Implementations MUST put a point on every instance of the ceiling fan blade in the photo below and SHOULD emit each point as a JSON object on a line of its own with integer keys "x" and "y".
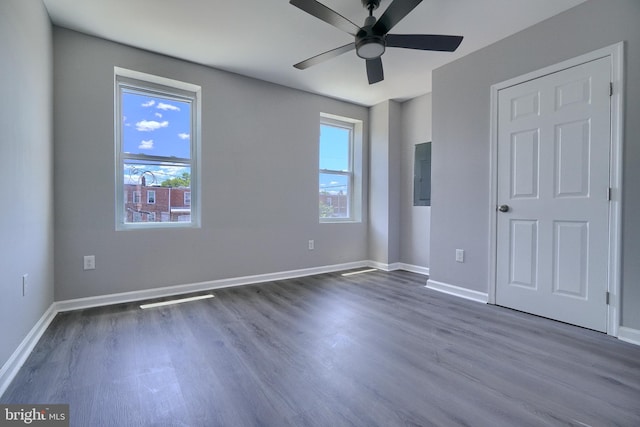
{"x": 322, "y": 12}
{"x": 374, "y": 70}
{"x": 394, "y": 14}
{"x": 424, "y": 41}
{"x": 325, "y": 56}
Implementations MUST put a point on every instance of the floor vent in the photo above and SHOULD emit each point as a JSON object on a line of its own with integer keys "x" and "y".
{"x": 176, "y": 301}
{"x": 359, "y": 272}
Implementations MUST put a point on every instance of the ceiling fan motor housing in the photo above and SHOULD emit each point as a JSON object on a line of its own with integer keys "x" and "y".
{"x": 368, "y": 44}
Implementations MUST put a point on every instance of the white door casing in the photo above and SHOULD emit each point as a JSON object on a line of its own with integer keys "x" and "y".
{"x": 555, "y": 249}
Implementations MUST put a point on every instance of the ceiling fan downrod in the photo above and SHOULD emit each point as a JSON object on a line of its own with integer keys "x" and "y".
{"x": 371, "y": 5}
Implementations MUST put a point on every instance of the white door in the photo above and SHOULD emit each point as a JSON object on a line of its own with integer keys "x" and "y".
{"x": 553, "y": 181}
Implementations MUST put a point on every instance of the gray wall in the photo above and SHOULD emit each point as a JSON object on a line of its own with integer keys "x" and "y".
{"x": 259, "y": 179}
{"x": 460, "y": 174}
{"x": 26, "y": 143}
{"x": 398, "y": 231}
{"x": 384, "y": 183}
{"x": 414, "y": 220}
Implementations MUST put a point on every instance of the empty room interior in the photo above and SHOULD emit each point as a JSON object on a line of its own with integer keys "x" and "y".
{"x": 320, "y": 213}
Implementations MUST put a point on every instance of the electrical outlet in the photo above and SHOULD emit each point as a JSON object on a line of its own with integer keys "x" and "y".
{"x": 90, "y": 262}
{"x": 25, "y": 281}
{"x": 312, "y": 245}
{"x": 459, "y": 255}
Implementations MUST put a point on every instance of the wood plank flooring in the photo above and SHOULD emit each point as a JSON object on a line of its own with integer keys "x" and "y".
{"x": 375, "y": 349}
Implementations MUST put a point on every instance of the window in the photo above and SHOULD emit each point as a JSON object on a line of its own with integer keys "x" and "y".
{"x": 340, "y": 169}
{"x": 157, "y": 147}
{"x": 187, "y": 198}
{"x": 422, "y": 175}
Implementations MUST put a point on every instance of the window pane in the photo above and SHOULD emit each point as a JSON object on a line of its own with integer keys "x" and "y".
{"x": 334, "y": 195}
{"x": 334, "y": 148}
{"x": 157, "y": 142}
{"x": 155, "y": 125}
{"x": 157, "y": 192}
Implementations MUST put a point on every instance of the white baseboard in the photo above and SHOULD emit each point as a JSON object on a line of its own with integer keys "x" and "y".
{"x": 629, "y": 335}
{"x": 398, "y": 266}
{"x": 414, "y": 268}
{"x": 17, "y": 359}
{"x": 124, "y": 297}
{"x": 465, "y": 293}
{"x": 381, "y": 266}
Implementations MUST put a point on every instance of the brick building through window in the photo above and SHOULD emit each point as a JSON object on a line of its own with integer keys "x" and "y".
{"x": 156, "y": 204}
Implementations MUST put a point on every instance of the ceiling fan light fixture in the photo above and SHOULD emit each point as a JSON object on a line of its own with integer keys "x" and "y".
{"x": 370, "y": 47}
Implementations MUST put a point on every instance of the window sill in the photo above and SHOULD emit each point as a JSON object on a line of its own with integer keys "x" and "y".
{"x": 155, "y": 226}
{"x": 339, "y": 221}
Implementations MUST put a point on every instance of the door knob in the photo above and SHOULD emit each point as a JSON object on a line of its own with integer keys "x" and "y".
{"x": 503, "y": 208}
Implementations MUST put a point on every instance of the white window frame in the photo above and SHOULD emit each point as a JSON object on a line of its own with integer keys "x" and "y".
{"x": 149, "y": 200}
{"x": 167, "y": 88}
{"x": 354, "y": 173}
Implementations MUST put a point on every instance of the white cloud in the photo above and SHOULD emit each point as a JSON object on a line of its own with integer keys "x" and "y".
{"x": 184, "y": 135}
{"x": 172, "y": 170}
{"x": 165, "y": 107}
{"x": 150, "y": 125}
{"x": 158, "y": 114}
{"x": 146, "y": 145}
{"x": 150, "y": 103}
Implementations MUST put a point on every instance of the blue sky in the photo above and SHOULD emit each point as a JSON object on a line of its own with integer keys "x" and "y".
{"x": 334, "y": 148}
{"x": 334, "y": 154}
{"x": 155, "y": 126}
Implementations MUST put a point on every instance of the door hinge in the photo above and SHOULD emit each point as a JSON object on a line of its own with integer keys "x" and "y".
{"x": 609, "y": 194}
{"x": 610, "y": 88}
{"x": 607, "y": 297}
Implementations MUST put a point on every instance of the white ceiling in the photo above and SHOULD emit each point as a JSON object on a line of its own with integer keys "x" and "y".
{"x": 264, "y": 38}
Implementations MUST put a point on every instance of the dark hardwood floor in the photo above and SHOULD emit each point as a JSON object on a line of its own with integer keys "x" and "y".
{"x": 375, "y": 349}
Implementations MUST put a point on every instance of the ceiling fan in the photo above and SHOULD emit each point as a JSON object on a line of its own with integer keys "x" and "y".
{"x": 372, "y": 39}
